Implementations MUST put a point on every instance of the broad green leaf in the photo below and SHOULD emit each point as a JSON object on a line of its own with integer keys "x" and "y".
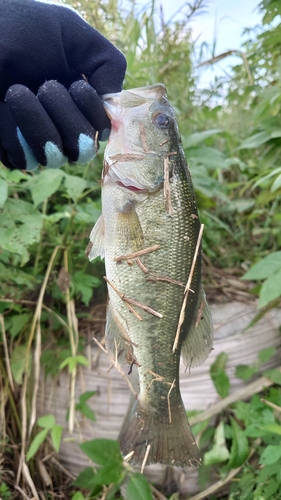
{"x": 86, "y": 396}
{"x": 78, "y": 496}
{"x": 198, "y": 137}
{"x": 264, "y": 268}
{"x": 86, "y": 411}
{"x": 240, "y": 448}
{"x": 3, "y": 192}
{"x": 210, "y": 157}
{"x": 18, "y": 321}
{"x": 44, "y": 184}
{"x": 73, "y": 361}
{"x": 102, "y": 451}
{"x": 270, "y": 454}
{"x": 219, "y": 453}
{"x": 47, "y": 421}
{"x": 245, "y": 372}
{"x": 270, "y": 289}
{"x": 37, "y": 441}
{"x": 18, "y": 362}
{"x": 84, "y": 284}
{"x": 86, "y": 479}
{"x": 266, "y": 354}
{"x": 274, "y": 428}
{"x": 274, "y": 375}
{"x": 218, "y": 375}
{"x": 276, "y": 184}
{"x": 74, "y": 186}
{"x": 255, "y": 140}
{"x": 138, "y": 488}
{"x": 111, "y": 473}
{"x": 56, "y": 432}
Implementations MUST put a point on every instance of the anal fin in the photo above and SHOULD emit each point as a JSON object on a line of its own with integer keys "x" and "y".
{"x": 118, "y": 341}
{"x": 198, "y": 343}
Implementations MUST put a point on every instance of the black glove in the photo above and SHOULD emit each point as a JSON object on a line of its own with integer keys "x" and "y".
{"x": 53, "y": 67}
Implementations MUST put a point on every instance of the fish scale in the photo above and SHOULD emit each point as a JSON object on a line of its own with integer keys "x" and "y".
{"x": 148, "y": 200}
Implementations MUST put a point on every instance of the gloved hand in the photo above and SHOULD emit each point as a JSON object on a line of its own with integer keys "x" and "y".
{"x": 53, "y": 68}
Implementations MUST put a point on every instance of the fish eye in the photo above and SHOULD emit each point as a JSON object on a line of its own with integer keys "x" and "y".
{"x": 161, "y": 120}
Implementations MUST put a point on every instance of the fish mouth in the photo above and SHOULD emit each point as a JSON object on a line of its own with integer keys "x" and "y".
{"x": 131, "y": 187}
{"x": 125, "y": 182}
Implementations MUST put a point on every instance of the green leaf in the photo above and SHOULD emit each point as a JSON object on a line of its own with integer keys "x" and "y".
{"x": 86, "y": 411}
{"x": 274, "y": 375}
{"x": 219, "y": 377}
{"x": 219, "y": 453}
{"x": 86, "y": 396}
{"x": 112, "y": 473}
{"x": 44, "y": 184}
{"x": 266, "y": 354}
{"x": 274, "y": 428}
{"x": 18, "y": 362}
{"x": 73, "y": 361}
{"x": 3, "y": 192}
{"x": 270, "y": 454}
{"x": 47, "y": 421}
{"x": 264, "y": 268}
{"x": 37, "y": 441}
{"x": 86, "y": 479}
{"x": 240, "y": 448}
{"x": 74, "y": 186}
{"x": 18, "y": 321}
{"x": 78, "y": 496}
{"x": 102, "y": 451}
{"x": 276, "y": 184}
{"x": 56, "y": 432}
{"x": 245, "y": 372}
{"x": 270, "y": 289}
{"x": 255, "y": 140}
{"x": 198, "y": 137}
{"x": 138, "y": 488}
{"x": 84, "y": 284}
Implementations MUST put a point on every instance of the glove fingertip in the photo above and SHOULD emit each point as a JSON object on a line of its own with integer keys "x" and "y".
{"x": 55, "y": 158}
{"x": 87, "y": 149}
{"x": 30, "y": 160}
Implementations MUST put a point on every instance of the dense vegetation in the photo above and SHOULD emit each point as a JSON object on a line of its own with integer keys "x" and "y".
{"x": 232, "y": 139}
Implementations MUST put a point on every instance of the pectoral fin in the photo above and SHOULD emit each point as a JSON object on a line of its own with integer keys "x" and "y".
{"x": 129, "y": 231}
{"x": 199, "y": 340}
{"x": 95, "y": 247}
{"x": 118, "y": 341}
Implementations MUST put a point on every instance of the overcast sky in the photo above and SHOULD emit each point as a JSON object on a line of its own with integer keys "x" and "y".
{"x": 226, "y": 18}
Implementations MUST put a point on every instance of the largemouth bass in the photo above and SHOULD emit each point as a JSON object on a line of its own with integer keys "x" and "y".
{"x": 149, "y": 235}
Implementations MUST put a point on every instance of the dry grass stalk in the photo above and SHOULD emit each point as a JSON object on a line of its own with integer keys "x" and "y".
{"x": 167, "y": 191}
{"x": 139, "y": 253}
{"x": 74, "y": 337}
{"x": 129, "y": 456}
{"x": 241, "y": 394}
{"x": 145, "y": 457}
{"x": 6, "y": 352}
{"x": 116, "y": 365}
{"x": 36, "y": 358}
{"x": 272, "y": 405}
{"x": 122, "y": 298}
{"x": 187, "y": 288}
{"x": 29, "y": 481}
{"x": 23, "y": 427}
{"x": 168, "y": 400}
{"x": 142, "y": 306}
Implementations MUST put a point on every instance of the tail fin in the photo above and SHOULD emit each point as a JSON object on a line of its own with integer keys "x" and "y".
{"x": 169, "y": 436}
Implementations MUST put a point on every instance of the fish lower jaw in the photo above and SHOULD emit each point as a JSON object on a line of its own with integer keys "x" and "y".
{"x": 133, "y": 188}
